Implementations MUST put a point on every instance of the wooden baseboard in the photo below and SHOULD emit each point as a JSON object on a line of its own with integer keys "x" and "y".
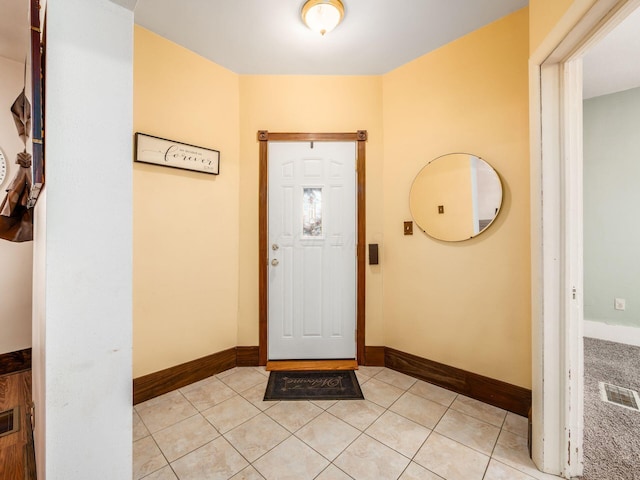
{"x": 247, "y": 356}
{"x": 494, "y": 392}
{"x": 374, "y": 356}
{"x": 13, "y": 362}
{"x": 164, "y": 381}
{"x": 285, "y": 365}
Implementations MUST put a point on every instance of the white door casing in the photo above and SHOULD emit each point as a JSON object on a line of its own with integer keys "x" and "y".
{"x": 556, "y": 231}
{"x": 312, "y": 250}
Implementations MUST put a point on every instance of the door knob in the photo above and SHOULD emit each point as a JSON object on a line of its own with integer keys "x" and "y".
{"x": 275, "y": 262}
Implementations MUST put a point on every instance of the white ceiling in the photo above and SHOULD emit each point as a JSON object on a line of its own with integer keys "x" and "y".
{"x": 612, "y": 65}
{"x": 268, "y": 36}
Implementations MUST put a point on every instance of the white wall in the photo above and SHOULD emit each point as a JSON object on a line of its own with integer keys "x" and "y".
{"x": 612, "y": 333}
{"x": 82, "y": 302}
{"x": 611, "y": 223}
{"x": 15, "y": 258}
{"x": 38, "y": 374}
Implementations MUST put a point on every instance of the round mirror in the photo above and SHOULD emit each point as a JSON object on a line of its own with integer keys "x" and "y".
{"x": 455, "y": 197}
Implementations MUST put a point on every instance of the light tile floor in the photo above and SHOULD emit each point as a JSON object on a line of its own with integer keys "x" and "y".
{"x": 219, "y": 428}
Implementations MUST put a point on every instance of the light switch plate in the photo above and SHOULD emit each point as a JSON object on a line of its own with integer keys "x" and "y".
{"x": 408, "y": 228}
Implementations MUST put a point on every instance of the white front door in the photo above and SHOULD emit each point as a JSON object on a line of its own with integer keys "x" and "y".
{"x": 312, "y": 250}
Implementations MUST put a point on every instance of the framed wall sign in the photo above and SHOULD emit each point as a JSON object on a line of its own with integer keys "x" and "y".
{"x": 167, "y": 153}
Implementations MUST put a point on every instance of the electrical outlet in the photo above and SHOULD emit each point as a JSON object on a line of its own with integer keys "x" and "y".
{"x": 619, "y": 303}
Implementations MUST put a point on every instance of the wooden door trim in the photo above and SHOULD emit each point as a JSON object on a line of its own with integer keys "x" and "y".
{"x": 360, "y": 137}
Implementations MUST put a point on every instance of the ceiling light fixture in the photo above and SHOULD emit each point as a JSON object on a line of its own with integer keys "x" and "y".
{"x": 322, "y": 16}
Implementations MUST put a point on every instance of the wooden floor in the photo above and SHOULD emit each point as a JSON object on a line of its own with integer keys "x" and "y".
{"x": 15, "y": 390}
{"x": 286, "y": 365}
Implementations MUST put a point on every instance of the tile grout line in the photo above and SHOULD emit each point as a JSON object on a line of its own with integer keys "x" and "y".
{"x": 223, "y": 435}
{"x": 429, "y": 436}
{"x": 331, "y": 464}
{"x": 490, "y": 456}
{"x": 326, "y": 409}
{"x": 197, "y": 448}
{"x": 156, "y": 444}
{"x": 198, "y": 412}
{"x": 220, "y": 434}
{"x": 504, "y": 463}
{"x": 289, "y": 432}
{"x": 163, "y": 456}
{"x": 341, "y": 452}
{"x": 250, "y": 464}
{"x": 360, "y": 434}
{"x": 431, "y": 430}
{"x": 493, "y": 449}
{"x": 265, "y": 453}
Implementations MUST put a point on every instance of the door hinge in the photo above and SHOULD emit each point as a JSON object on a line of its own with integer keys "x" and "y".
{"x": 573, "y": 292}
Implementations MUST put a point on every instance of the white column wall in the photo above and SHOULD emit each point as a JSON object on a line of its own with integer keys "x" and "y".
{"x": 83, "y": 248}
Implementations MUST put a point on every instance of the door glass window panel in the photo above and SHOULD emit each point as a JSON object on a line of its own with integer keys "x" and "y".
{"x": 312, "y": 212}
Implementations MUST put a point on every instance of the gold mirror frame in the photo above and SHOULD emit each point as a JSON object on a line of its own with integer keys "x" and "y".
{"x": 455, "y": 197}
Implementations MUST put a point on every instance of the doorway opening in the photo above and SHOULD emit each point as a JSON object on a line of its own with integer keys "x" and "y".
{"x": 557, "y": 232}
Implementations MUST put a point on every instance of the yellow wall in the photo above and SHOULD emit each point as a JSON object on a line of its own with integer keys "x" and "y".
{"x": 464, "y": 304}
{"x": 306, "y": 104}
{"x": 548, "y": 20}
{"x": 196, "y": 237}
{"x": 544, "y": 16}
{"x": 185, "y": 245}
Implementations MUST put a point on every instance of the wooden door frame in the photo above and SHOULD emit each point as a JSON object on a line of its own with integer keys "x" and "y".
{"x": 264, "y": 137}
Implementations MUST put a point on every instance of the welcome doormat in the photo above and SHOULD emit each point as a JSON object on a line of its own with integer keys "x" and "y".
{"x": 313, "y": 385}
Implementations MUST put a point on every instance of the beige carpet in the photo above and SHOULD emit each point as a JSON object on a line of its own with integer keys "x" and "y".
{"x": 611, "y": 433}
